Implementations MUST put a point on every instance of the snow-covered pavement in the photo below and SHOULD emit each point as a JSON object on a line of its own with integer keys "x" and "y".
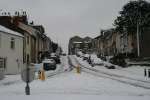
{"x": 70, "y": 86}
{"x": 14, "y": 79}
{"x": 73, "y": 86}
{"x": 133, "y": 75}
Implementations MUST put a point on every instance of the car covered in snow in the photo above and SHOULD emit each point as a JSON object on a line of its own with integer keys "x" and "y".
{"x": 109, "y": 65}
{"x": 49, "y": 64}
{"x": 95, "y": 60}
{"x": 86, "y": 57}
{"x": 79, "y": 54}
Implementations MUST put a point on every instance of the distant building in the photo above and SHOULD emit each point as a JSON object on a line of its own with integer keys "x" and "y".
{"x": 87, "y": 45}
{"x": 97, "y": 45}
{"x": 11, "y": 51}
{"x": 106, "y": 43}
{"x": 77, "y": 44}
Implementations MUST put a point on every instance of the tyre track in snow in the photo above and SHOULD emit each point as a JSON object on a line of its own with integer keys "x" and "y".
{"x": 130, "y": 77}
{"x": 119, "y": 78}
{"x": 60, "y": 71}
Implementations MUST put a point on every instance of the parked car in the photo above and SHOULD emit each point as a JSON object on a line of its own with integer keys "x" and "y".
{"x": 95, "y": 60}
{"x": 103, "y": 58}
{"x": 109, "y": 65}
{"x": 86, "y": 57}
{"x": 49, "y": 64}
{"x": 56, "y": 58}
{"x": 79, "y": 54}
{"x": 63, "y": 54}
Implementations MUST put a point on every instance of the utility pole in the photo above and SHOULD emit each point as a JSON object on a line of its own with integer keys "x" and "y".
{"x": 138, "y": 28}
{"x": 138, "y": 44}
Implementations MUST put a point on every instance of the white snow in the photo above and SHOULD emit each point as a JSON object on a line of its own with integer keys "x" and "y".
{"x": 72, "y": 86}
{"x": 136, "y": 72}
{"x": 77, "y": 42}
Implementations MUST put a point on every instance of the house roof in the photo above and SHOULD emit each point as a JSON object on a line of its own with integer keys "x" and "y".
{"x": 77, "y": 42}
{"x": 4, "y": 29}
{"x": 87, "y": 38}
{"x": 98, "y": 37}
{"x": 76, "y": 39}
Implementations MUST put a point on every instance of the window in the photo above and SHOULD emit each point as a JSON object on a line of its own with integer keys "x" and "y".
{"x": 27, "y": 39}
{"x": 2, "y": 63}
{"x": 12, "y": 43}
{"x": 27, "y": 58}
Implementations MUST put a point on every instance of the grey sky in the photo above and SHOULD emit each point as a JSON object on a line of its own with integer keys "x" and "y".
{"x": 63, "y": 19}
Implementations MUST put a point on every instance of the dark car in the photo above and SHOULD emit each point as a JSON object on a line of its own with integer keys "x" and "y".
{"x": 56, "y": 58}
{"x": 64, "y": 54}
{"x": 49, "y": 64}
{"x": 109, "y": 65}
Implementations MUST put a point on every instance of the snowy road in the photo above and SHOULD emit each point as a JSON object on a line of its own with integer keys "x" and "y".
{"x": 69, "y": 85}
{"x": 114, "y": 76}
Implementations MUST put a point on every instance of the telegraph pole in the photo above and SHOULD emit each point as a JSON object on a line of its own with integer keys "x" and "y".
{"x": 138, "y": 42}
{"x": 138, "y": 28}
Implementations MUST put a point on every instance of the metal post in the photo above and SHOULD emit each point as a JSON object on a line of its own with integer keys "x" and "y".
{"x": 148, "y": 73}
{"x": 145, "y": 73}
{"x": 27, "y": 88}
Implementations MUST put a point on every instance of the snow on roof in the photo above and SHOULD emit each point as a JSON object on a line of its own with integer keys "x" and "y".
{"x": 4, "y": 29}
{"x": 77, "y": 42}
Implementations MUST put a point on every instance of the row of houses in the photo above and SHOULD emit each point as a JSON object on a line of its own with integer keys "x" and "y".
{"x": 111, "y": 43}
{"x": 21, "y": 43}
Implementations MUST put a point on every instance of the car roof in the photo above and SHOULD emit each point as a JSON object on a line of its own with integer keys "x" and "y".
{"x": 47, "y": 60}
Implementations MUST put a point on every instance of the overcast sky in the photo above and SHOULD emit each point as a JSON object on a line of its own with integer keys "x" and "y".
{"x": 63, "y": 19}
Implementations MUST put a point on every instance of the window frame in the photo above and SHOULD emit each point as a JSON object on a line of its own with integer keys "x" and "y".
{"x": 12, "y": 43}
